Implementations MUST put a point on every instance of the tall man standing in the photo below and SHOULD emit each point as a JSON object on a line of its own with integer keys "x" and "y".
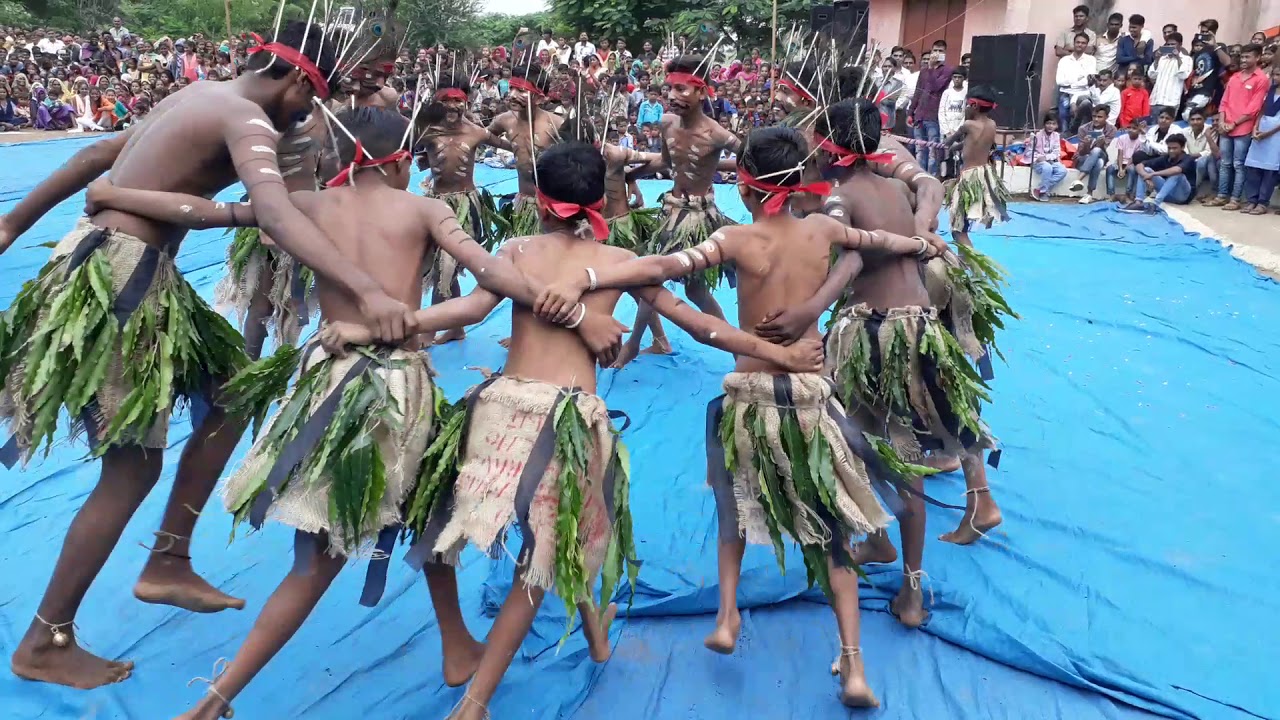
{"x": 933, "y": 81}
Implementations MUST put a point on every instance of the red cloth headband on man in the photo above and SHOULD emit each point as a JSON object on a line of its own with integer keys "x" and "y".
{"x": 296, "y": 59}
{"x": 847, "y": 157}
{"x": 684, "y": 78}
{"x": 525, "y": 85}
{"x": 360, "y": 161}
{"x": 986, "y": 104}
{"x": 779, "y": 194}
{"x": 795, "y": 88}
{"x": 450, "y": 94}
{"x": 568, "y": 210}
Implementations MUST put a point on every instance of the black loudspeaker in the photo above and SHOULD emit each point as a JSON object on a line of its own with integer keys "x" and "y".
{"x": 1012, "y": 65}
{"x": 845, "y": 20}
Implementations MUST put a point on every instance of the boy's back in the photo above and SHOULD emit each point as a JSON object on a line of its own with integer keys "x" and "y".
{"x": 874, "y": 202}
{"x": 979, "y": 140}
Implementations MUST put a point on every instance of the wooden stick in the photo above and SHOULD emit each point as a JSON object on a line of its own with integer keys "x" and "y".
{"x": 773, "y": 58}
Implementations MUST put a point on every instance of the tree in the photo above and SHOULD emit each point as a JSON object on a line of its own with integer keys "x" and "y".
{"x": 633, "y": 20}
{"x": 437, "y": 21}
{"x": 745, "y": 23}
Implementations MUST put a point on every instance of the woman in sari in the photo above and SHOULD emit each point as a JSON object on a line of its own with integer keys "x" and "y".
{"x": 22, "y": 93}
{"x": 10, "y": 118}
{"x": 47, "y": 113}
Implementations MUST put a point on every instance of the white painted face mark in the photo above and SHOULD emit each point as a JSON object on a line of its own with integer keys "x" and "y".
{"x": 260, "y": 123}
{"x": 270, "y": 171}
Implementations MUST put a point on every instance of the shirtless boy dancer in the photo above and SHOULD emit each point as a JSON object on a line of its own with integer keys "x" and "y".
{"x": 390, "y": 234}
{"x": 449, "y": 141}
{"x": 892, "y": 358}
{"x": 781, "y": 259}
{"x": 226, "y": 131}
{"x": 531, "y": 130}
{"x": 545, "y": 398}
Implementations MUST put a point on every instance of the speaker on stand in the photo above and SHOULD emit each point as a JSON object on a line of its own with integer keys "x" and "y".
{"x": 1013, "y": 66}
{"x": 845, "y": 21}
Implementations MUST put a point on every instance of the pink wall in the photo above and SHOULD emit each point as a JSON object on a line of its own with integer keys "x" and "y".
{"x": 1238, "y": 19}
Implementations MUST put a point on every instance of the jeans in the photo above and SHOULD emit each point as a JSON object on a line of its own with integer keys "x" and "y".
{"x": 1195, "y": 102}
{"x": 1175, "y": 189}
{"x": 1207, "y": 169}
{"x": 1071, "y": 114}
{"x": 1092, "y": 166}
{"x": 1051, "y": 173}
{"x": 1260, "y": 185}
{"x": 1231, "y": 168}
{"x": 1130, "y": 181}
{"x": 928, "y": 130}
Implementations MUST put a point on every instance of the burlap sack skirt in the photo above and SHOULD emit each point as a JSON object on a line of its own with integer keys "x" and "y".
{"x": 687, "y": 222}
{"x": 494, "y": 490}
{"x": 786, "y": 447}
{"x": 909, "y": 375}
{"x": 344, "y": 451}
{"x": 977, "y": 196}
{"x": 111, "y": 333}
{"x": 292, "y": 286}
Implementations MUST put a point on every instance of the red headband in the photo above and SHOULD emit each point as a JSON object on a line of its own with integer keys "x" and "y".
{"x": 781, "y": 193}
{"x": 451, "y": 94}
{"x": 525, "y": 85}
{"x": 848, "y": 157}
{"x": 567, "y": 210}
{"x": 296, "y": 59}
{"x": 795, "y": 88}
{"x": 982, "y": 103}
{"x": 360, "y": 161}
{"x": 690, "y": 79}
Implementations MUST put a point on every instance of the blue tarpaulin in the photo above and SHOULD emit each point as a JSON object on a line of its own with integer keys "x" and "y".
{"x": 1131, "y": 577}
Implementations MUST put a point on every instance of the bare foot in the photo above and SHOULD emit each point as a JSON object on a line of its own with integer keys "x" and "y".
{"x": 854, "y": 690}
{"x": 626, "y": 355}
{"x": 660, "y": 346}
{"x": 598, "y": 638}
{"x": 505, "y": 342}
{"x": 981, "y": 514}
{"x": 908, "y": 606}
{"x": 724, "y": 638}
{"x": 209, "y": 708}
{"x": 943, "y": 463}
{"x": 73, "y": 666}
{"x": 455, "y": 335}
{"x": 875, "y": 550}
{"x": 168, "y": 580}
{"x": 460, "y": 665}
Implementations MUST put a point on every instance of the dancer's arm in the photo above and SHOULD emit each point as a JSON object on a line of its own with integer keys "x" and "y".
{"x": 928, "y": 189}
{"x": 466, "y": 310}
{"x": 79, "y": 171}
{"x": 787, "y": 325}
{"x": 714, "y": 332}
{"x": 180, "y": 209}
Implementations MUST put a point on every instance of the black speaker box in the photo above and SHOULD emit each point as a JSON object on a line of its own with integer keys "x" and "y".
{"x": 1012, "y": 65}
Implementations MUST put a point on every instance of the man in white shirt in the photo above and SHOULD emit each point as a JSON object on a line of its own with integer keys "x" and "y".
{"x": 583, "y": 48}
{"x": 118, "y": 30}
{"x": 1108, "y": 43}
{"x": 1105, "y": 92}
{"x": 50, "y": 45}
{"x": 546, "y": 43}
{"x": 1202, "y": 144}
{"x": 1169, "y": 74}
{"x": 952, "y": 105}
{"x": 1073, "y": 75}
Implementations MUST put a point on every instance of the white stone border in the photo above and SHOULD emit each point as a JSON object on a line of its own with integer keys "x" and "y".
{"x": 1266, "y": 260}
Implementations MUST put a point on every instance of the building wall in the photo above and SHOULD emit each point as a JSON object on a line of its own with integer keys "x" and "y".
{"x": 1238, "y": 19}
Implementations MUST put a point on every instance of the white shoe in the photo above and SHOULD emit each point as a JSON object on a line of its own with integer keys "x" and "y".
{"x": 1087, "y": 199}
{"x": 1077, "y": 186}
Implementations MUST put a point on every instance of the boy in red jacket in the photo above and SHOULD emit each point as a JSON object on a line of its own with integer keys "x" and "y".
{"x": 1135, "y": 101}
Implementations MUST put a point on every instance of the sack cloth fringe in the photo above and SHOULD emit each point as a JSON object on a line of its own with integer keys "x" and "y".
{"x": 906, "y": 369}
{"x": 977, "y": 196}
{"x": 292, "y": 298}
{"x": 112, "y": 333}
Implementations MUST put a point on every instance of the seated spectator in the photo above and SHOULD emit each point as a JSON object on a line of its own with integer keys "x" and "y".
{"x": 47, "y": 113}
{"x": 1168, "y": 176}
{"x": 1045, "y": 151}
{"x": 10, "y": 118}
{"x": 1126, "y": 144}
{"x": 1202, "y": 144}
{"x": 1157, "y": 136}
{"x": 1105, "y": 92}
{"x": 1091, "y": 154}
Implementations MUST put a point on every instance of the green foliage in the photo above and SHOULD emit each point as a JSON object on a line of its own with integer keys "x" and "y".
{"x": 14, "y": 13}
{"x": 175, "y": 18}
{"x": 748, "y": 23}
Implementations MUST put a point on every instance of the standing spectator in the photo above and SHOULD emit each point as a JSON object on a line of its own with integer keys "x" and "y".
{"x": 933, "y": 80}
{"x": 1045, "y": 150}
{"x": 546, "y": 44}
{"x": 1135, "y": 101}
{"x": 641, "y": 91}
{"x": 118, "y": 30}
{"x": 650, "y": 111}
{"x": 1066, "y": 44}
{"x": 583, "y": 48}
{"x": 952, "y": 106}
{"x": 1169, "y": 74}
{"x": 1236, "y": 119}
{"x": 1135, "y": 48}
{"x": 1202, "y": 144}
{"x": 1091, "y": 154}
{"x": 1105, "y": 92}
{"x": 623, "y": 54}
{"x": 1262, "y": 166}
{"x": 966, "y": 60}
{"x": 1073, "y": 75}
{"x": 1206, "y": 68}
{"x": 1167, "y": 175}
{"x": 1108, "y": 44}
{"x": 1127, "y": 144}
